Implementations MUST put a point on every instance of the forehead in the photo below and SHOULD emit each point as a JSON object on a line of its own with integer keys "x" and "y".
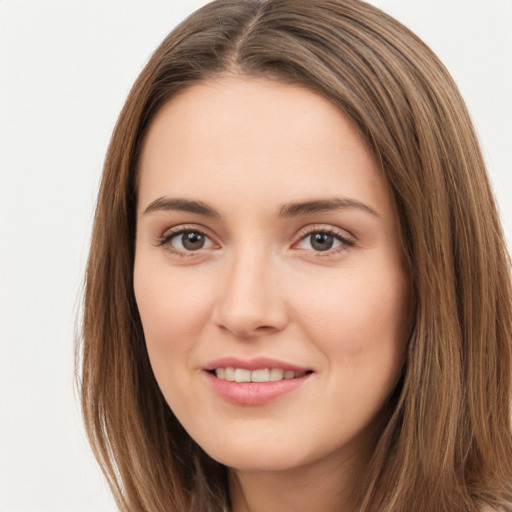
{"x": 237, "y": 133}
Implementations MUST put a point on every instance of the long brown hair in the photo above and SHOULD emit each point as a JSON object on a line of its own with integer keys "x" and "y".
{"x": 448, "y": 444}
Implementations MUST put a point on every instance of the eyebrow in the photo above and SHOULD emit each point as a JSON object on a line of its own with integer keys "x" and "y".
{"x": 296, "y": 209}
{"x": 184, "y": 205}
{"x": 293, "y": 209}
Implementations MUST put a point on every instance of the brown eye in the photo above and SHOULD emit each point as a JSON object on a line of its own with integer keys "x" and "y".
{"x": 186, "y": 241}
{"x": 321, "y": 241}
{"x": 326, "y": 241}
{"x": 191, "y": 240}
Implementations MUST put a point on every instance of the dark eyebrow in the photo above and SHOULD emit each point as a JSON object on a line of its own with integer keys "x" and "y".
{"x": 184, "y": 205}
{"x": 322, "y": 205}
{"x": 293, "y": 209}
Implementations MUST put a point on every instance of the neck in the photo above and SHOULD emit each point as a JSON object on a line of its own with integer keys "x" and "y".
{"x": 323, "y": 488}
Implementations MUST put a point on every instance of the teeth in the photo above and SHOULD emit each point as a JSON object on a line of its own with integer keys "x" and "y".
{"x": 260, "y": 375}
{"x": 276, "y": 374}
{"x": 230, "y": 374}
{"x": 242, "y": 375}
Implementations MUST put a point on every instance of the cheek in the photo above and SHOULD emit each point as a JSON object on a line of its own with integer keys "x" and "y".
{"x": 173, "y": 309}
{"x": 363, "y": 336}
{"x": 378, "y": 310}
{"x": 362, "y": 318}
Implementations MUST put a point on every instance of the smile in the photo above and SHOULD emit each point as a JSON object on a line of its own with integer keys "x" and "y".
{"x": 254, "y": 382}
{"x": 232, "y": 374}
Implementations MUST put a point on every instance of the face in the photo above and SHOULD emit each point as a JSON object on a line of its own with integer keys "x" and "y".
{"x": 268, "y": 274}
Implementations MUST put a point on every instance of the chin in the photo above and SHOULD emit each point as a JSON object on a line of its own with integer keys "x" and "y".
{"x": 255, "y": 456}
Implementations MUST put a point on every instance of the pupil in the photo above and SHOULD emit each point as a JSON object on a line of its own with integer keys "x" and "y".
{"x": 192, "y": 241}
{"x": 322, "y": 241}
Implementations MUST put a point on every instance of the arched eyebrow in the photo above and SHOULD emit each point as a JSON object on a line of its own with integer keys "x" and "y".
{"x": 293, "y": 209}
{"x": 299, "y": 208}
{"x": 184, "y": 205}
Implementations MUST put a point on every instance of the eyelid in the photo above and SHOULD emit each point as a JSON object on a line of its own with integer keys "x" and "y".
{"x": 174, "y": 230}
{"x": 347, "y": 239}
{"x": 165, "y": 238}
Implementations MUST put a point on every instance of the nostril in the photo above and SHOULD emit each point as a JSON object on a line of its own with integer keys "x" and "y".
{"x": 265, "y": 328}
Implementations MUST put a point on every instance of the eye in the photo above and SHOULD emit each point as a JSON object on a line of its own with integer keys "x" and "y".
{"x": 185, "y": 241}
{"x": 321, "y": 241}
{"x": 324, "y": 241}
{"x": 189, "y": 240}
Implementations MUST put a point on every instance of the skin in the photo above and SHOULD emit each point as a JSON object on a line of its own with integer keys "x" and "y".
{"x": 246, "y": 147}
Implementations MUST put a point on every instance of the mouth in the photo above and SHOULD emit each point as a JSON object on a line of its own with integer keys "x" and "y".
{"x": 255, "y": 381}
{"x": 233, "y": 374}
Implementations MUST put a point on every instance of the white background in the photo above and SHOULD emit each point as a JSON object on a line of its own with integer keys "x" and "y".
{"x": 65, "y": 69}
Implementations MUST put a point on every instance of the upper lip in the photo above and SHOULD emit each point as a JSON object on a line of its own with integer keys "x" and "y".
{"x": 256, "y": 363}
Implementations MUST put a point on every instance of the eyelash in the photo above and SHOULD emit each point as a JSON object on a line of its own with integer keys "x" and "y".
{"x": 346, "y": 242}
{"x": 166, "y": 238}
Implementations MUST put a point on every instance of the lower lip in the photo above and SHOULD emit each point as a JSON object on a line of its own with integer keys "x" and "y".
{"x": 254, "y": 393}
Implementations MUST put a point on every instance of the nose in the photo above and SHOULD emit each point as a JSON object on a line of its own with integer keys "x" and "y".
{"x": 250, "y": 300}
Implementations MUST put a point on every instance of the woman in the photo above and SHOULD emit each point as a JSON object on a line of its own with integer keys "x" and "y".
{"x": 298, "y": 293}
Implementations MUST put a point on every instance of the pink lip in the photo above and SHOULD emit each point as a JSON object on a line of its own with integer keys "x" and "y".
{"x": 253, "y": 393}
{"x": 252, "y": 364}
